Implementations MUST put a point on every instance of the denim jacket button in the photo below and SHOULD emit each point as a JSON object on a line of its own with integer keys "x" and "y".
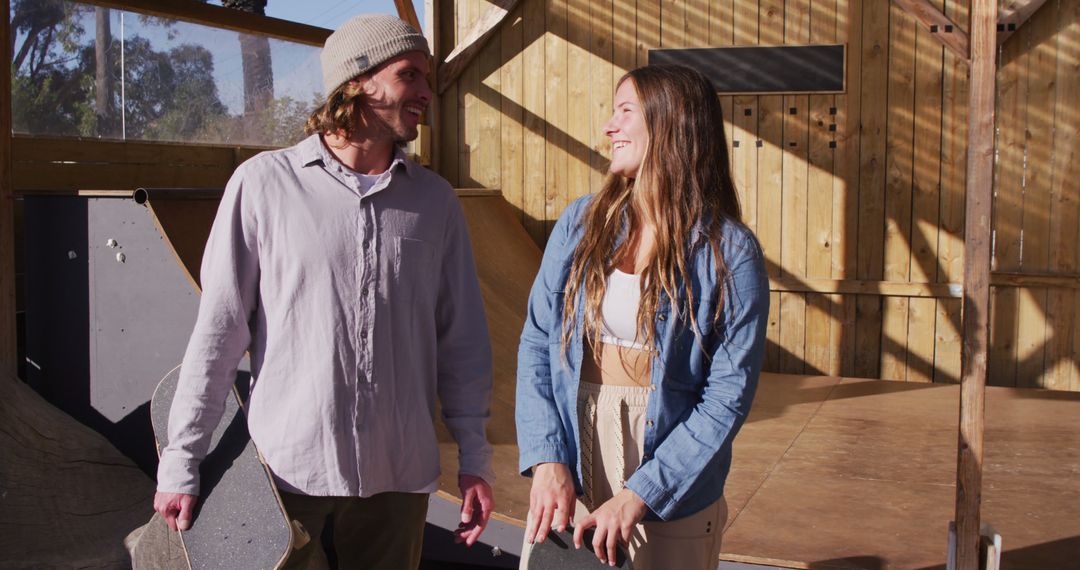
{"x": 649, "y": 423}
{"x": 662, "y": 317}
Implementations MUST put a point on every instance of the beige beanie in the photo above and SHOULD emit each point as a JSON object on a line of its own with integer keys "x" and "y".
{"x": 364, "y": 42}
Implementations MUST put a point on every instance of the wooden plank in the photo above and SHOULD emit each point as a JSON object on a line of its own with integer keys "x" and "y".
{"x": 624, "y": 38}
{"x": 772, "y": 334}
{"x": 793, "y": 236}
{"x": 489, "y": 101}
{"x": 951, "y": 213}
{"x": 943, "y": 29}
{"x": 744, "y": 121}
{"x": 468, "y": 104}
{"x": 926, "y": 200}
{"x": 899, "y": 156}
{"x": 648, "y": 30}
{"x": 673, "y": 22}
{"x": 1061, "y": 368}
{"x": 1004, "y": 305}
{"x": 225, "y": 18}
{"x": 722, "y": 22}
{"x": 34, "y": 177}
{"x": 535, "y": 80}
{"x": 449, "y": 127}
{"x": 846, "y": 184}
{"x": 953, "y": 158}
{"x": 602, "y": 88}
{"x": 870, "y": 250}
{"x": 1014, "y": 13}
{"x": 1008, "y": 204}
{"x": 1032, "y": 330}
{"x": 819, "y": 207}
{"x": 976, "y": 282}
{"x": 512, "y": 175}
{"x": 859, "y": 287}
{"x": 8, "y": 334}
{"x": 556, "y": 187}
{"x": 770, "y": 178}
{"x": 407, "y": 12}
{"x": 948, "y": 341}
{"x": 480, "y": 32}
{"x": 697, "y": 23}
{"x": 579, "y": 107}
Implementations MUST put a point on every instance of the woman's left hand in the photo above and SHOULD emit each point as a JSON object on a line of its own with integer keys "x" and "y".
{"x": 614, "y": 522}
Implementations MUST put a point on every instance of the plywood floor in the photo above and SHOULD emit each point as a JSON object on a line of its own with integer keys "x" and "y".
{"x": 846, "y": 473}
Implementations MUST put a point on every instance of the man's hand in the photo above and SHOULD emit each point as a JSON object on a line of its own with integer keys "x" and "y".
{"x": 551, "y": 500}
{"x": 175, "y": 508}
{"x": 614, "y": 522}
{"x": 477, "y": 502}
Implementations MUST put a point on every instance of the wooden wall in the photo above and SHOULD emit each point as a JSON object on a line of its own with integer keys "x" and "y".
{"x": 857, "y": 198}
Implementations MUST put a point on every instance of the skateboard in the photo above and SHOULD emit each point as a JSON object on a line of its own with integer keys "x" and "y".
{"x": 557, "y": 552}
{"x": 239, "y": 520}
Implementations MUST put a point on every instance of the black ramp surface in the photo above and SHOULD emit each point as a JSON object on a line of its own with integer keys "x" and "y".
{"x": 239, "y": 521}
{"x": 558, "y": 553}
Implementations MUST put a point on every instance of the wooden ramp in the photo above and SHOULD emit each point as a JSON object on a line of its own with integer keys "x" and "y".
{"x": 67, "y": 496}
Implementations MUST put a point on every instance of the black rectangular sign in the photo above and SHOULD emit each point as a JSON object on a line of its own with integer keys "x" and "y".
{"x": 764, "y": 69}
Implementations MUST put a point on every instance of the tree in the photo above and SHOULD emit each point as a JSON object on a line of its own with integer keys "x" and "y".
{"x": 258, "y": 69}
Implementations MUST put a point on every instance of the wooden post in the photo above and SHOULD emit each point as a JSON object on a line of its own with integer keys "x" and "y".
{"x": 980, "y": 169}
{"x": 8, "y": 353}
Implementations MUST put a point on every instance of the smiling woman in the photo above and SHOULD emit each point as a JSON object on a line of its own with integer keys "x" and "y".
{"x": 646, "y": 324}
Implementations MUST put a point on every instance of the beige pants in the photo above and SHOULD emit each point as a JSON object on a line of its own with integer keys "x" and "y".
{"x": 612, "y": 423}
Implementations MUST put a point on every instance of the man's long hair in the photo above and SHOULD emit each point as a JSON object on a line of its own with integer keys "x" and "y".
{"x": 339, "y": 113}
{"x": 684, "y": 181}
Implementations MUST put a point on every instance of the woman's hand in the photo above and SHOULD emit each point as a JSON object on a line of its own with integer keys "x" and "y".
{"x": 551, "y": 500}
{"x": 614, "y": 522}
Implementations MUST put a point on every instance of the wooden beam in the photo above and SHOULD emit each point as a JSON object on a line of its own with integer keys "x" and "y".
{"x": 943, "y": 29}
{"x": 225, "y": 18}
{"x": 474, "y": 41}
{"x": 407, "y": 12}
{"x": 976, "y": 310}
{"x": 860, "y": 287}
{"x": 1014, "y": 13}
{"x": 8, "y": 334}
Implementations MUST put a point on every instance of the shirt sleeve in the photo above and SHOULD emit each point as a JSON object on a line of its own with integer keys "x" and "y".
{"x": 540, "y": 431}
{"x": 229, "y": 277}
{"x": 693, "y": 445}
{"x": 464, "y": 350}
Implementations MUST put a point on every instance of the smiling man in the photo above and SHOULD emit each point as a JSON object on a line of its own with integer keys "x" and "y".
{"x": 345, "y": 269}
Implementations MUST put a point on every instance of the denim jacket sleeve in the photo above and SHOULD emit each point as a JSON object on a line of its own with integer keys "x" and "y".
{"x": 682, "y": 461}
{"x": 541, "y": 433}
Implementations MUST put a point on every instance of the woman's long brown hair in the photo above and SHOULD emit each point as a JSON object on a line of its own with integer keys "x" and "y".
{"x": 684, "y": 180}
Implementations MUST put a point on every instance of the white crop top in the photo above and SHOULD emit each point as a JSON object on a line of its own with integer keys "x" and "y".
{"x": 618, "y": 310}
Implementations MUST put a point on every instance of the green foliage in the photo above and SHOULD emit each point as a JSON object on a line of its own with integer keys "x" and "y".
{"x": 169, "y": 94}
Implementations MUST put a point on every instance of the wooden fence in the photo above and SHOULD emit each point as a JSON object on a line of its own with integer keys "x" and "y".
{"x": 858, "y": 198}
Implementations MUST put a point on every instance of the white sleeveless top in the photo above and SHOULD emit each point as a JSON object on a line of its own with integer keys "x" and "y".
{"x": 618, "y": 310}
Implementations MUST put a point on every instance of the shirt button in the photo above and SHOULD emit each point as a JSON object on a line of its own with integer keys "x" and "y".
{"x": 662, "y": 317}
{"x": 649, "y": 423}
{"x": 363, "y": 335}
{"x": 652, "y": 387}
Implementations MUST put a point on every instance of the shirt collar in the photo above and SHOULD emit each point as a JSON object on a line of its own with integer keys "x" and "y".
{"x": 313, "y": 151}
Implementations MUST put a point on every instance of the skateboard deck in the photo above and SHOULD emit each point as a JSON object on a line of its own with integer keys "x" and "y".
{"x": 239, "y": 520}
{"x": 557, "y": 552}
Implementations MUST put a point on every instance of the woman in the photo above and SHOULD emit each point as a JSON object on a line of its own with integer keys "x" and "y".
{"x": 644, "y": 339}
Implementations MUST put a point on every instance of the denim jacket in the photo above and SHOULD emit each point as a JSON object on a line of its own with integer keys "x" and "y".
{"x": 701, "y": 388}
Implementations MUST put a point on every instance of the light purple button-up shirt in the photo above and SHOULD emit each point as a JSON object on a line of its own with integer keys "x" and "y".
{"x": 358, "y": 310}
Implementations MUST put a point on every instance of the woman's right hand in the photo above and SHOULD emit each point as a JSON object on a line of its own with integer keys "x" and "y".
{"x": 551, "y": 500}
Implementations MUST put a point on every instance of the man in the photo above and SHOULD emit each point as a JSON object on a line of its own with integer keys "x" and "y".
{"x": 345, "y": 269}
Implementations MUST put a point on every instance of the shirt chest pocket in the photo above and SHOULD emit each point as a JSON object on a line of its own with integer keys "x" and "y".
{"x": 415, "y": 273}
